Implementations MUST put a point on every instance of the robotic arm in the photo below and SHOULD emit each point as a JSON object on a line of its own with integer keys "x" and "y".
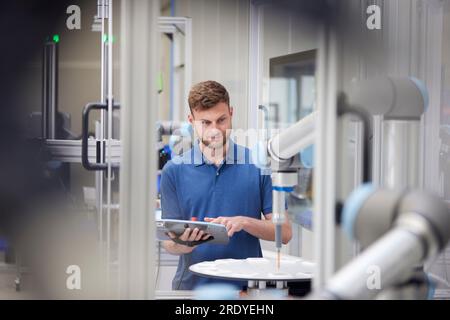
{"x": 395, "y": 98}
{"x": 283, "y": 150}
{"x": 399, "y": 231}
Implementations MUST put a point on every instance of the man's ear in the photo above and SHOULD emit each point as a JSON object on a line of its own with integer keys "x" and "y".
{"x": 190, "y": 118}
{"x": 231, "y": 111}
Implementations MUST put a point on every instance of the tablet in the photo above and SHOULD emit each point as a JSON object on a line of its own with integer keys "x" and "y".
{"x": 218, "y": 232}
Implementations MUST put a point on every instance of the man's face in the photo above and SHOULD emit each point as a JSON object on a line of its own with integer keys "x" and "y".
{"x": 213, "y": 125}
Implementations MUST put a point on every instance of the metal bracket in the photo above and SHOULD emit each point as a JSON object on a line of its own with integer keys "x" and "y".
{"x": 84, "y": 141}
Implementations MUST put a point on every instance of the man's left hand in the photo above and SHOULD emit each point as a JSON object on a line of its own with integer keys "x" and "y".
{"x": 233, "y": 224}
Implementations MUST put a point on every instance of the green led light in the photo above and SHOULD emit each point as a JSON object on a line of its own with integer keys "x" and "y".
{"x": 56, "y": 38}
{"x": 160, "y": 82}
{"x": 106, "y": 38}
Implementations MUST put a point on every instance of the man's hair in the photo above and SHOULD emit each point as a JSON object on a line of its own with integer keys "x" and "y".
{"x": 207, "y": 94}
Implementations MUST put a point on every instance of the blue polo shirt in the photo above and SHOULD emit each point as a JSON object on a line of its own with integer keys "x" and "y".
{"x": 193, "y": 187}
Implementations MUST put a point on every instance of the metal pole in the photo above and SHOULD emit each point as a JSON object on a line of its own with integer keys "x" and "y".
{"x": 109, "y": 141}
{"x": 50, "y": 90}
{"x": 139, "y": 100}
{"x": 400, "y": 163}
{"x": 187, "y": 63}
{"x": 54, "y": 92}
{"x": 101, "y": 134}
{"x": 254, "y": 67}
{"x": 324, "y": 175}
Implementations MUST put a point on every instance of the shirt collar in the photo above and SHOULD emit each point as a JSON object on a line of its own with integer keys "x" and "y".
{"x": 234, "y": 155}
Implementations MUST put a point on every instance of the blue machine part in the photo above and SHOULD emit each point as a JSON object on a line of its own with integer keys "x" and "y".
{"x": 431, "y": 287}
{"x": 167, "y": 150}
{"x": 158, "y": 183}
{"x": 54, "y": 164}
{"x": 352, "y": 206}
{"x": 283, "y": 189}
{"x": 3, "y": 244}
{"x": 216, "y": 291}
{"x": 307, "y": 157}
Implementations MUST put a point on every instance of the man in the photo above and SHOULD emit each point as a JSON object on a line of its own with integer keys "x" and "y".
{"x": 215, "y": 182}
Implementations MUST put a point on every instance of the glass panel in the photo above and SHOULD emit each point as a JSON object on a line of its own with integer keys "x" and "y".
{"x": 441, "y": 267}
{"x": 292, "y": 88}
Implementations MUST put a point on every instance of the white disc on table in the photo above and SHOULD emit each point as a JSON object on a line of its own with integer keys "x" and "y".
{"x": 264, "y": 269}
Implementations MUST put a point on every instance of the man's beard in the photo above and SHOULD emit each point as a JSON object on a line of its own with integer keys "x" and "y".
{"x": 215, "y": 144}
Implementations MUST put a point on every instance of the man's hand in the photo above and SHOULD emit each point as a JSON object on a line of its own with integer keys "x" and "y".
{"x": 189, "y": 235}
{"x": 233, "y": 224}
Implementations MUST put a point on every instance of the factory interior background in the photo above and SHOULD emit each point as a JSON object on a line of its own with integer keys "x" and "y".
{"x": 80, "y": 189}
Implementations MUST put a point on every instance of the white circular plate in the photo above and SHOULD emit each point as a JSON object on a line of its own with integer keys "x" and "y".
{"x": 264, "y": 269}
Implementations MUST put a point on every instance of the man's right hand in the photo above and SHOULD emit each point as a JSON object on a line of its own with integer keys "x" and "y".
{"x": 189, "y": 235}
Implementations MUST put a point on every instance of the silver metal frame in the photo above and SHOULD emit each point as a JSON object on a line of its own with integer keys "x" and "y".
{"x": 325, "y": 138}
{"x": 70, "y": 150}
{"x": 325, "y": 159}
{"x": 173, "y": 25}
{"x": 254, "y": 68}
{"x": 100, "y": 126}
{"x": 139, "y": 61}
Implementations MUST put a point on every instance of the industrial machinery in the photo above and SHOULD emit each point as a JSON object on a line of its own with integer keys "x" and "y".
{"x": 399, "y": 230}
{"x": 262, "y": 277}
{"x": 284, "y": 150}
{"x": 401, "y": 101}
